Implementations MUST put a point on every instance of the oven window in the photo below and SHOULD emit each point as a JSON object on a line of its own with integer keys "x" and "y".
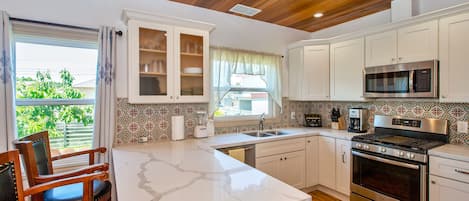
{"x": 392, "y": 82}
{"x": 391, "y": 180}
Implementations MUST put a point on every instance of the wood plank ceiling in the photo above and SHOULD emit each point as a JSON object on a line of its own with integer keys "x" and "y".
{"x": 298, "y": 14}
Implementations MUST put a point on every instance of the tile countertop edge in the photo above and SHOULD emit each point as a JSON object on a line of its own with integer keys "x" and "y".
{"x": 451, "y": 151}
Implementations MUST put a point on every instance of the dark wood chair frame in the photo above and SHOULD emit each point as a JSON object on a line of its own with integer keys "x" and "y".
{"x": 25, "y": 146}
{"x": 87, "y": 180}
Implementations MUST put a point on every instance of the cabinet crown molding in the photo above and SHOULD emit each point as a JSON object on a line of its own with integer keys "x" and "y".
{"x": 130, "y": 14}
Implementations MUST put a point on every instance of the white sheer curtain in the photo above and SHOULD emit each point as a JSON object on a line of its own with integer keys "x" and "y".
{"x": 224, "y": 62}
{"x": 105, "y": 92}
{"x": 7, "y": 95}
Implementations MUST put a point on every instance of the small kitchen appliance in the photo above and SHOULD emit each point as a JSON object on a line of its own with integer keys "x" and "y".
{"x": 200, "y": 131}
{"x": 358, "y": 120}
{"x": 392, "y": 163}
{"x": 313, "y": 120}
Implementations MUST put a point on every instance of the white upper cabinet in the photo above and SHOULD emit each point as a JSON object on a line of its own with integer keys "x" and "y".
{"x": 418, "y": 42}
{"x": 347, "y": 63}
{"x": 309, "y": 73}
{"x": 381, "y": 49}
{"x": 167, "y": 59}
{"x": 409, "y": 44}
{"x": 454, "y": 59}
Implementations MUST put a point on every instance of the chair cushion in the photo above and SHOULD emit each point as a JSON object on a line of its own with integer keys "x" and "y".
{"x": 74, "y": 192}
{"x": 7, "y": 183}
{"x": 42, "y": 162}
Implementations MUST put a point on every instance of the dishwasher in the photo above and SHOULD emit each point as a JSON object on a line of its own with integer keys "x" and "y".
{"x": 249, "y": 153}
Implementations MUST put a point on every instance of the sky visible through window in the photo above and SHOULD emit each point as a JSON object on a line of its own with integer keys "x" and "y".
{"x": 80, "y": 62}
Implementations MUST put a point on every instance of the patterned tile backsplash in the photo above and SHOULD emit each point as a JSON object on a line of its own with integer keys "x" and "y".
{"x": 154, "y": 120}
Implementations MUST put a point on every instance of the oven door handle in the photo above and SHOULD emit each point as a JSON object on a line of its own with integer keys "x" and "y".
{"x": 387, "y": 161}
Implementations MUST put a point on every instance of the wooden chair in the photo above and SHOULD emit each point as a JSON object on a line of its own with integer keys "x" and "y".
{"x": 36, "y": 153}
{"x": 11, "y": 183}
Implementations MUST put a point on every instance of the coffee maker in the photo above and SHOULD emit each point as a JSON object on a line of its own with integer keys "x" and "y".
{"x": 358, "y": 120}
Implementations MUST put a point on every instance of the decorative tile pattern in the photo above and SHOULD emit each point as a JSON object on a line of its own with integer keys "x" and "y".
{"x": 154, "y": 120}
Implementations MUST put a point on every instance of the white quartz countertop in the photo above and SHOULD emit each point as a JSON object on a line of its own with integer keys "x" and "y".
{"x": 193, "y": 170}
{"x": 451, "y": 151}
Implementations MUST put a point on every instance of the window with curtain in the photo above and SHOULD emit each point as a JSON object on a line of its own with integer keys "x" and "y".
{"x": 55, "y": 70}
{"x": 244, "y": 84}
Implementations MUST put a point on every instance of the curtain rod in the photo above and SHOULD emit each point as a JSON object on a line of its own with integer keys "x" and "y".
{"x": 243, "y": 50}
{"x": 119, "y": 33}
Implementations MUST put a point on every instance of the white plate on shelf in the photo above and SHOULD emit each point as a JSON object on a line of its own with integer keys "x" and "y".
{"x": 193, "y": 70}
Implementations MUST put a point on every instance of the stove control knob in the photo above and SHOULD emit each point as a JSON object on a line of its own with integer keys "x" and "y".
{"x": 412, "y": 156}
{"x": 383, "y": 149}
{"x": 366, "y": 147}
{"x": 359, "y": 146}
{"x": 401, "y": 153}
{"x": 409, "y": 155}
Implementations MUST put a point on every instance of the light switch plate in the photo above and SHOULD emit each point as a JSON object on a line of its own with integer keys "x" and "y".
{"x": 462, "y": 127}
{"x": 292, "y": 115}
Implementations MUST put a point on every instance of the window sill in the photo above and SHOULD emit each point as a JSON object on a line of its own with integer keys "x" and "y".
{"x": 244, "y": 121}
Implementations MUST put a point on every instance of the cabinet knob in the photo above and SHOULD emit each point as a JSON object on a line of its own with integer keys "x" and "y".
{"x": 171, "y": 97}
{"x": 443, "y": 96}
{"x": 285, "y": 158}
{"x": 393, "y": 59}
{"x": 400, "y": 58}
{"x": 281, "y": 159}
{"x": 433, "y": 182}
{"x": 309, "y": 141}
{"x": 177, "y": 97}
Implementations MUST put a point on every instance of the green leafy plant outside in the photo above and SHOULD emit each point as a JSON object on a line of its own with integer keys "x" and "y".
{"x": 32, "y": 119}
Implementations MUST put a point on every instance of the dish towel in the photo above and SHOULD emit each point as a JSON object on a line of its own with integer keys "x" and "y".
{"x": 238, "y": 154}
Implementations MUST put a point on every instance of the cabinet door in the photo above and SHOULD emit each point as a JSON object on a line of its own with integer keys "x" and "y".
{"x": 381, "y": 49}
{"x": 192, "y": 68}
{"x": 312, "y": 161}
{"x": 295, "y": 67}
{"x": 315, "y": 73}
{"x": 269, "y": 165}
{"x": 442, "y": 189}
{"x": 418, "y": 42}
{"x": 343, "y": 166}
{"x": 151, "y": 68}
{"x": 347, "y": 63}
{"x": 327, "y": 162}
{"x": 454, "y": 48}
{"x": 292, "y": 169}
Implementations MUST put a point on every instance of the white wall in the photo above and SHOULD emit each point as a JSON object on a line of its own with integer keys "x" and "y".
{"x": 231, "y": 31}
{"x": 380, "y": 18}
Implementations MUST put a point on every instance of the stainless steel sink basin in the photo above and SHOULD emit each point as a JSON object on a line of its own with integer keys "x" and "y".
{"x": 269, "y": 133}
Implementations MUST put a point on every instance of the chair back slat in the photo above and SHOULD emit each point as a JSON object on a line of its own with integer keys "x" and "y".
{"x": 11, "y": 185}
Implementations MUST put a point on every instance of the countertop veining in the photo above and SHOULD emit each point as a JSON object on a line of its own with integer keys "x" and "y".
{"x": 193, "y": 170}
{"x": 451, "y": 151}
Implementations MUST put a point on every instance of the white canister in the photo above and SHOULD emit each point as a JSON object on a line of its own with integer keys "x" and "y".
{"x": 210, "y": 128}
{"x": 177, "y": 128}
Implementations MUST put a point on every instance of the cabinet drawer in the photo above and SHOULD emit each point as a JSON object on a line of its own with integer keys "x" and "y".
{"x": 448, "y": 168}
{"x": 279, "y": 147}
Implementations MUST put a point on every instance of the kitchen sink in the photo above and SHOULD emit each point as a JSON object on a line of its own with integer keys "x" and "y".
{"x": 269, "y": 133}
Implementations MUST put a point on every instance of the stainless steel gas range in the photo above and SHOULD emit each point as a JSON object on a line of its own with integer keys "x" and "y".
{"x": 392, "y": 163}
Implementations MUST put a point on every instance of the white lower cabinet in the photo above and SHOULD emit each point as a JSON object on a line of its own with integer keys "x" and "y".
{"x": 342, "y": 150}
{"x": 288, "y": 166}
{"x": 442, "y": 189}
{"x": 312, "y": 158}
{"x": 327, "y": 173}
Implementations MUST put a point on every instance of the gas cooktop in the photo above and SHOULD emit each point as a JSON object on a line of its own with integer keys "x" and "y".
{"x": 401, "y": 142}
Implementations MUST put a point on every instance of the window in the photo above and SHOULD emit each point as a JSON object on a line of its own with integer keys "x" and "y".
{"x": 247, "y": 96}
{"x": 55, "y": 87}
{"x": 244, "y": 84}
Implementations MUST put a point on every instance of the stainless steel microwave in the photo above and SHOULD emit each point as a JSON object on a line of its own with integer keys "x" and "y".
{"x": 413, "y": 80}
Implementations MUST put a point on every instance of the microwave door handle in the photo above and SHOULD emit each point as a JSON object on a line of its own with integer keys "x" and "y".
{"x": 387, "y": 161}
{"x": 411, "y": 81}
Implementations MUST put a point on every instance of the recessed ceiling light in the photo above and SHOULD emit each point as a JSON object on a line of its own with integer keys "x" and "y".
{"x": 318, "y": 15}
{"x": 245, "y": 10}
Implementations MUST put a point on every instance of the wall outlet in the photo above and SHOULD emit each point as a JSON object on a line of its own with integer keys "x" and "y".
{"x": 143, "y": 139}
{"x": 293, "y": 115}
{"x": 462, "y": 127}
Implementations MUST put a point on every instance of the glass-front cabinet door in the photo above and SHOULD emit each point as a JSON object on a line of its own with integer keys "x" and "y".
{"x": 150, "y": 63}
{"x": 192, "y": 70}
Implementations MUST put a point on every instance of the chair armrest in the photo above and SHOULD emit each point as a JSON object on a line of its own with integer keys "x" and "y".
{"x": 81, "y": 171}
{"x": 90, "y": 152}
{"x": 87, "y": 180}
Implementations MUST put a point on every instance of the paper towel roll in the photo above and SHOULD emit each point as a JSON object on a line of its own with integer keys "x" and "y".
{"x": 177, "y": 128}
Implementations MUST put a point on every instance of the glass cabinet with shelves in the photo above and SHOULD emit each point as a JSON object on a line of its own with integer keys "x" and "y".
{"x": 167, "y": 63}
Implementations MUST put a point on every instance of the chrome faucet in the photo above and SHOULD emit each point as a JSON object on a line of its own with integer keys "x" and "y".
{"x": 261, "y": 122}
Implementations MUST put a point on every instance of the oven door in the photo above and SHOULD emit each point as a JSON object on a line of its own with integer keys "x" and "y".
{"x": 418, "y": 79}
{"x": 381, "y": 178}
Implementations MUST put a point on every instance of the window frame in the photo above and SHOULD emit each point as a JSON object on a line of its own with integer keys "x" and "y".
{"x": 72, "y": 43}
